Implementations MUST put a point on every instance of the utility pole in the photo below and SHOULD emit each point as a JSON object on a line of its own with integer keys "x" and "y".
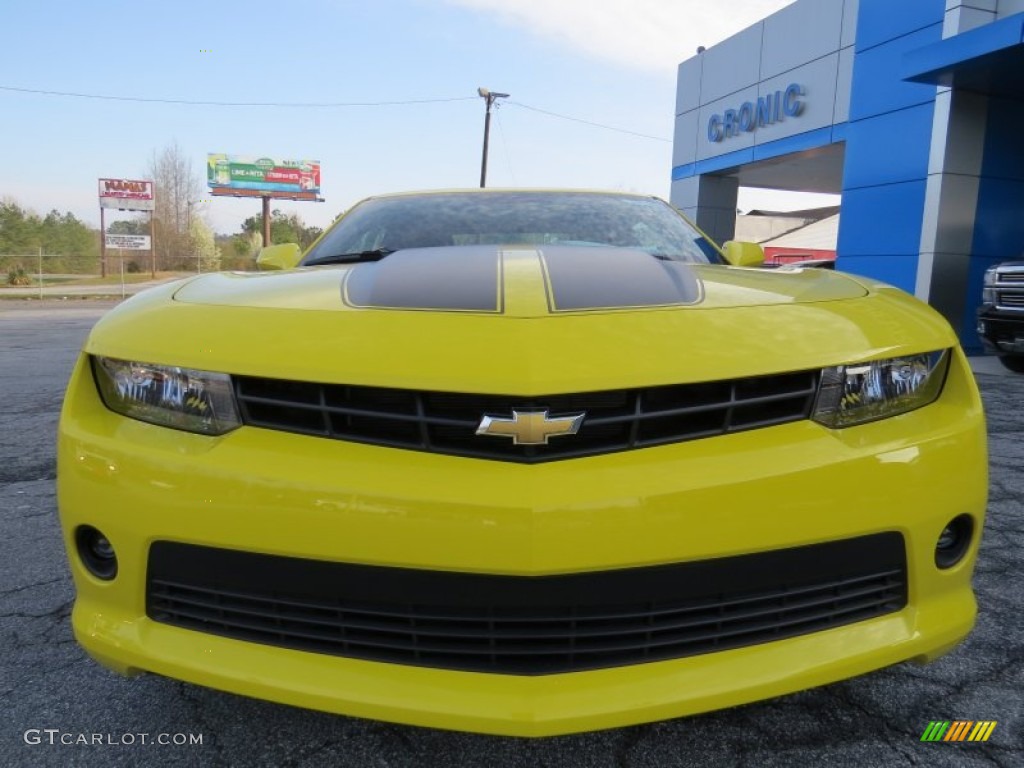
{"x": 266, "y": 221}
{"x": 103, "y": 242}
{"x": 490, "y": 97}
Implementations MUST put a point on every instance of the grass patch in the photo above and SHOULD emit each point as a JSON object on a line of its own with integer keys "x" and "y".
{"x": 129, "y": 278}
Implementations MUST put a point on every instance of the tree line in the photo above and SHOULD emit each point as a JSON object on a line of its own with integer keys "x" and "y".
{"x": 23, "y": 233}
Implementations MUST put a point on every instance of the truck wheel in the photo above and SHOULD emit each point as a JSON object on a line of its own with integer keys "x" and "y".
{"x": 1014, "y": 363}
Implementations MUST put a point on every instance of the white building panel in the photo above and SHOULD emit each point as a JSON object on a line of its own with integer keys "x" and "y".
{"x": 799, "y": 33}
{"x": 732, "y": 65}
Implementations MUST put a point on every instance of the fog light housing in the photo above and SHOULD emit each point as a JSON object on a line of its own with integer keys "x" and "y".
{"x": 96, "y": 552}
{"x": 954, "y": 541}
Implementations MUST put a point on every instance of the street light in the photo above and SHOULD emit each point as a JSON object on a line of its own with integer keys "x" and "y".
{"x": 490, "y": 97}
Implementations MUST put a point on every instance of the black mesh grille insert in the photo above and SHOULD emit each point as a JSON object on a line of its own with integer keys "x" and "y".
{"x": 446, "y": 422}
{"x": 526, "y": 625}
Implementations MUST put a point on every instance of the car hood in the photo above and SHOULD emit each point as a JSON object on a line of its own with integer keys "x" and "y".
{"x": 533, "y": 335}
{"x": 518, "y": 282}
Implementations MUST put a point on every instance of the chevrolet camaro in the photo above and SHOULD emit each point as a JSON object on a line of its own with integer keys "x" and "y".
{"x": 520, "y": 462}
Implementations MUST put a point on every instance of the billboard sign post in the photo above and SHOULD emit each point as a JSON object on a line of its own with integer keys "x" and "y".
{"x": 264, "y": 177}
{"x": 125, "y": 195}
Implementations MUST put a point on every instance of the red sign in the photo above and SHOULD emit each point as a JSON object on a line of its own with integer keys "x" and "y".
{"x": 130, "y": 194}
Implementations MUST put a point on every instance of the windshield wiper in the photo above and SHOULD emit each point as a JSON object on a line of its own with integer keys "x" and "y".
{"x": 350, "y": 258}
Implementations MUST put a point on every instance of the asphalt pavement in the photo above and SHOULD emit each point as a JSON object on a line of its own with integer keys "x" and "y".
{"x": 52, "y": 693}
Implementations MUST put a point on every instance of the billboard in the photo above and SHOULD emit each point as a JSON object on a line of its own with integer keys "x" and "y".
{"x": 127, "y": 242}
{"x": 126, "y": 194}
{"x": 262, "y": 175}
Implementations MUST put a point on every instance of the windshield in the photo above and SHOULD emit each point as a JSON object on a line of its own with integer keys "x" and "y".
{"x": 515, "y": 218}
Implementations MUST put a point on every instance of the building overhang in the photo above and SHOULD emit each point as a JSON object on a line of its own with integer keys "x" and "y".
{"x": 988, "y": 60}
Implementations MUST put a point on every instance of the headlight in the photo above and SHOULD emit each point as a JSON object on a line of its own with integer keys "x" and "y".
{"x": 195, "y": 401}
{"x": 854, "y": 394}
{"x": 988, "y": 293}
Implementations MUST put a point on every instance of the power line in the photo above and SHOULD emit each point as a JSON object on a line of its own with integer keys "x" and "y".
{"x": 588, "y": 122}
{"x": 191, "y": 102}
{"x": 504, "y": 146}
{"x": 320, "y": 105}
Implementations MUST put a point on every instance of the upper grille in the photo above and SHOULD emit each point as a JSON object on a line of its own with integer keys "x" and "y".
{"x": 446, "y": 422}
{"x": 526, "y": 625}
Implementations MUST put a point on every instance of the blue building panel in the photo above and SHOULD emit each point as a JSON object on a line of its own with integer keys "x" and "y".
{"x": 726, "y": 161}
{"x": 877, "y": 86}
{"x": 974, "y": 59}
{"x": 890, "y": 148}
{"x": 999, "y": 221}
{"x": 882, "y": 220}
{"x": 1004, "y": 157}
{"x": 796, "y": 143}
{"x": 880, "y": 21}
{"x": 684, "y": 171}
{"x": 800, "y": 142}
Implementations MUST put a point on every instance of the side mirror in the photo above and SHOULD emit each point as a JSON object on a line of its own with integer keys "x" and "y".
{"x": 743, "y": 254}
{"x": 284, "y": 256}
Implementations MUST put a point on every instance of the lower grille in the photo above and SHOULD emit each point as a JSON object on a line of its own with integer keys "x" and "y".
{"x": 1010, "y": 299}
{"x": 525, "y": 625}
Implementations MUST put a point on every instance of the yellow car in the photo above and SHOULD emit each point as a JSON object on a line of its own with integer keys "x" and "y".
{"x": 520, "y": 462}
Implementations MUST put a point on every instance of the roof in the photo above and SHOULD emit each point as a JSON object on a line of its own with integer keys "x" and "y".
{"x": 819, "y": 235}
{"x": 806, "y": 213}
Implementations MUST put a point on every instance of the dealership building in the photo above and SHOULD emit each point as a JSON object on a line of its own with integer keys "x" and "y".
{"x": 912, "y": 110}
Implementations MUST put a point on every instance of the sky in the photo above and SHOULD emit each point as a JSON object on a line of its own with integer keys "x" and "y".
{"x": 382, "y": 92}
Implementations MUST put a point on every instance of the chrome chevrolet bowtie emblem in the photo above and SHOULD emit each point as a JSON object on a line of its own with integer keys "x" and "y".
{"x": 530, "y": 427}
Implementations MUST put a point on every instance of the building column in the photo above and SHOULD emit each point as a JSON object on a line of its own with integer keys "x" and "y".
{"x": 954, "y": 179}
{"x": 710, "y": 202}
{"x": 951, "y": 202}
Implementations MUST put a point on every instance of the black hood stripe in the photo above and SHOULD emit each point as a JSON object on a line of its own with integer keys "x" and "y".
{"x": 464, "y": 279}
{"x": 471, "y": 279}
{"x": 597, "y": 278}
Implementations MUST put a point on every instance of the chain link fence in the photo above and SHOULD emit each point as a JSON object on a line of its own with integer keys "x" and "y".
{"x": 15, "y": 268}
{"x": 40, "y": 274}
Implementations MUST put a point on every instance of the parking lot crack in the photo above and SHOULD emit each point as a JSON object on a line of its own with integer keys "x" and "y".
{"x": 33, "y": 680}
{"x": 34, "y": 585}
{"x": 28, "y": 473}
{"x": 189, "y": 695}
{"x": 309, "y": 755}
{"x": 631, "y": 737}
{"x": 61, "y": 612}
{"x": 889, "y": 731}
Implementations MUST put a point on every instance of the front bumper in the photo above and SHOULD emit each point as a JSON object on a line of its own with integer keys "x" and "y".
{"x": 1001, "y": 331}
{"x": 281, "y": 494}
